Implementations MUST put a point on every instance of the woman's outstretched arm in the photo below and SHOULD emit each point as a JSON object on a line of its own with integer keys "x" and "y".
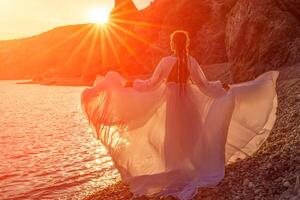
{"x": 156, "y": 78}
{"x": 209, "y": 88}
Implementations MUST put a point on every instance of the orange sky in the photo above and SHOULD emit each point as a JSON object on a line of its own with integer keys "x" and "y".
{"x": 21, "y": 18}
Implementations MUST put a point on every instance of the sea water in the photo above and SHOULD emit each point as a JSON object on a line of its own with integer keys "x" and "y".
{"x": 46, "y": 148}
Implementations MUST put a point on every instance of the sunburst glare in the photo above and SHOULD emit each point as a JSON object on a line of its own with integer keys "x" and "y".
{"x": 99, "y": 15}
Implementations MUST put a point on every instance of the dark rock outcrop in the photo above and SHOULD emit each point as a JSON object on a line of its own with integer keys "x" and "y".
{"x": 210, "y": 43}
{"x": 262, "y": 35}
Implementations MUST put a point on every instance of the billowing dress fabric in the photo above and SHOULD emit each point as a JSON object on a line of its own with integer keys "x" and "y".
{"x": 167, "y": 142}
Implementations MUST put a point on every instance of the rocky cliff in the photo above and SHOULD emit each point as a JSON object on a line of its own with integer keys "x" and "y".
{"x": 252, "y": 36}
{"x": 262, "y": 35}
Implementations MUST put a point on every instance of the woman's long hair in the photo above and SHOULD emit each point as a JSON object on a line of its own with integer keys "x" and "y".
{"x": 180, "y": 46}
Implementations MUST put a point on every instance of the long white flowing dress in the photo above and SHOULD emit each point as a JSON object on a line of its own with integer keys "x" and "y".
{"x": 165, "y": 142}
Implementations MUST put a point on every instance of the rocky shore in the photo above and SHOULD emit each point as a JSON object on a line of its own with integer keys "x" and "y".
{"x": 272, "y": 173}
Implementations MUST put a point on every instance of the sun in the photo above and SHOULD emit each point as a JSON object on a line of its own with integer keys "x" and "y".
{"x": 99, "y": 15}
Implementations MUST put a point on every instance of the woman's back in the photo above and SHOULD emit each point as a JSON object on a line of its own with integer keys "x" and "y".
{"x": 174, "y": 74}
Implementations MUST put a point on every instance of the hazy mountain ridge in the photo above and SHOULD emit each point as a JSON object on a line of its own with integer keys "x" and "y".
{"x": 49, "y": 51}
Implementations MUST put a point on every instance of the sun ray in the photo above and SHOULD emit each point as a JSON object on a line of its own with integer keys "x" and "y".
{"x": 128, "y": 48}
{"x": 134, "y": 36}
{"x": 61, "y": 43}
{"x": 123, "y": 42}
{"x": 78, "y": 48}
{"x": 102, "y": 48}
{"x": 107, "y": 35}
{"x": 119, "y": 39}
{"x": 140, "y": 23}
{"x": 91, "y": 49}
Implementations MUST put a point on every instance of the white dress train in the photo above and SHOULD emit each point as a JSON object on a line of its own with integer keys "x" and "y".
{"x": 165, "y": 142}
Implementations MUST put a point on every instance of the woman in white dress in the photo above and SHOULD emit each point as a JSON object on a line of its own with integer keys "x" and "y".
{"x": 174, "y": 133}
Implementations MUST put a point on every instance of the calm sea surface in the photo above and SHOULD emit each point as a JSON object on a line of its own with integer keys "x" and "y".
{"x": 46, "y": 149}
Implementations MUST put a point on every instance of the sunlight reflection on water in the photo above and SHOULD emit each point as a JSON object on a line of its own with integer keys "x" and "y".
{"x": 46, "y": 148}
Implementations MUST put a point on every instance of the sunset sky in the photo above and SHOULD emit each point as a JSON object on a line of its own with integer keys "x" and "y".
{"x": 21, "y": 18}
